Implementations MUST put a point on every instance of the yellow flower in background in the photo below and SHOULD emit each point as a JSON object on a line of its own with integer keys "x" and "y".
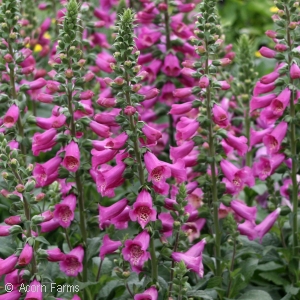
{"x": 257, "y": 54}
{"x": 274, "y": 9}
{"x": 37, "y": 48}
{"x": 47, "y": 35}
{"x": 53, "y": 21}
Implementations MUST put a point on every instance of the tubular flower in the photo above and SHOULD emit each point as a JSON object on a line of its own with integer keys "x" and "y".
{"x": 135, "y": 251}
{"x": 142, "y": 211}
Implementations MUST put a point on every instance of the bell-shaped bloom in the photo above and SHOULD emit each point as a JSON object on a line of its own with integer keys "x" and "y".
{"x": 116, "y": 143}
{"x": 102, "y": 157}
{"x": 46, "y": 173}
{"x": 14, "y": 295}
{"x": 204, "y": 82}
{"x": 267, "y": 52}
{"x": 25, "y": 256}
{"x": 64, "y": 211}
{"x": 37, "y": 84}
{"x": 72, "y": 157}
{"x": 244, "y": 211}
{"x": 149, "y": 294}
{"x": 180, "y": 109}
{"x": 181, "y": 151}
{"x": 8, "y": 264}
{"x": 220, "y": 116}
{"x": 135, "y": 251}
{"x": 185, "y": 129}
{"x": 13, "y": 220}
{"x": 55, "y": 255}
{"x": 152, "y": 70}
{"x": 108, "y": 179}
{"x": 108, "y": 246}
{"x": 256, "y": 137}
{"x": 192, "y": 258}
{"x": 195, "y": 197}
{"x": 178, "y": 170}
{"x": 108, "y": 213}
{"x": 143, "y": 211}
{"x": 261, "y": 88}
{"x": 171, "y": 65}
{"x": 49, "y": 225}
{"x": 183, "y": 92}
{"x": 158, "y": 172}
{"x": 273, "y": 140}
{"x": 52, "y": 122}
{"x": 11, "y": 116}
{"x": 269, "y": 78}
{"x": 266, "y": 166}
{"x": 72, "y": 264}
{"x": 235, "y": 179}
{"x": 100, "y": 129}
{"x": 261, "y": 102}
{"x": 152, "y": 134}
{"x": 192, "y": 229}
{"x": 121, "y": 220}
{"x": 267, "y": 224}
{"x": 43, "y": 142}
{"x": 238, "y": 143}
{"x": 15, "y": 278}
{"x": 248, "y": 228}
{"x": 166, "y": 95}
{"x": 167, "y": 222}
{"x": 35, "y": 291}
{"x": 295, "y": 71}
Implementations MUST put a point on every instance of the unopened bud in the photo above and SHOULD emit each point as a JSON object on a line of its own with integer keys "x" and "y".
{"x": 20, "y": 188}
{"x": 8, "y": 58}
{"x": 129, "y": 110}
{"x": 40, "y": 197}
{"x": 81, "y": 62}
{"x": 69, "y": 73}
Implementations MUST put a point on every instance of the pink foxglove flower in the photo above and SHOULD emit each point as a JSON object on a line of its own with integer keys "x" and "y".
{"x": 11, "y": 116}
{"x": 43, "y": 142}
{"x": 244, "y": 211}
{"x": 116, "y": 143}
{"x": 267, "y": 52}
{"x": 273, "y": 140}
{"x": 171, "y": 66}
{"x": 13, "y": 295}
{"x": 152, "y": 135}
{"x": 46, "y": 173}
{"x": 256, "y": 137}
{"x": 192, "y": 258}
{"x": 248, "y": 228}
{"x": 167, "y": 222}
{"x": 180, "y": 109}
{"x": 8, "y": 264}
{"x": 100, "y": 129}
{"x": 64, "y": 211}
{"x": 220, "y": 116}
{"x": 102, "y": 157}
{"x": 185, "y": 129}
{"x": 143, "y": 211}
{"x": 15, "y": 278}
{"x": 266, "y": 166}
{"x": 261, "y": 88}
{"x": 158, "y": 172}
{"x": 261, "y": 102}
{"x": 35, "y": 291}
{"x": 238, "y": 143}
{"x": 149, "y": 294}
{"x": 72, "y": 157}
{"x": 181, "y": 151}
{"x": 72, "y": 264}
{"x": 108, "y": 246}
{"x": 135, "y": 251}
{"x": 108, "y": 179}
{"x": 25, "y": 256}
{"x": 295, "y": 71}
{"x": 106, "y": 214}
{"x": 235, "y": 179}
{"x": 49, "y": 225}
{"x": 267, "y": 224}
{"x": 269, "y": 78}
{"x": 55, "y": 255}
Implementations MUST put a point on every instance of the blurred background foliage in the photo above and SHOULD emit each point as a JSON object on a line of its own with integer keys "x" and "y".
{"x": 251, "y": 17}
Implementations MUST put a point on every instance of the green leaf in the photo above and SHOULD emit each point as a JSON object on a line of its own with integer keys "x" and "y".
{"x": 42, "y": 240}
{"x": 7, "y": 246}
{"x": 274, "y": 277}
{"x": 214, "y": 282}
{"x": 255, "y": 295}
{"x": 93, "y": 246}
{"x": 83, "y": 285}
{"x": 201, "y": 294}
{"x": 270, "y": 266}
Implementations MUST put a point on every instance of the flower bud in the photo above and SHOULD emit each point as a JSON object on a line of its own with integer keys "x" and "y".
{"x": 15, "y": 229}
{"x": 129, "y": 110}
{"x": 8, "y": 58}
{"x": 69, "y": 73}
{"x": 39, "y": 197}
{"x": 20, "y": 188}
{"x": 30, "y": 185}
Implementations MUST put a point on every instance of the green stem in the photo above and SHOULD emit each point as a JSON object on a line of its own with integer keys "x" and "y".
{"x": 293, "y": 146}
{"x": 128, "y": 289}
{"x": 212, "y": 155}
{"x": 247, "y": 127}
{"x": 99, "y": 270}
{"x": 68, "y": 239}
{"x": 231, "y": 268}
{"x": 153, "y": 261}
{"x": 173, "y": 264}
